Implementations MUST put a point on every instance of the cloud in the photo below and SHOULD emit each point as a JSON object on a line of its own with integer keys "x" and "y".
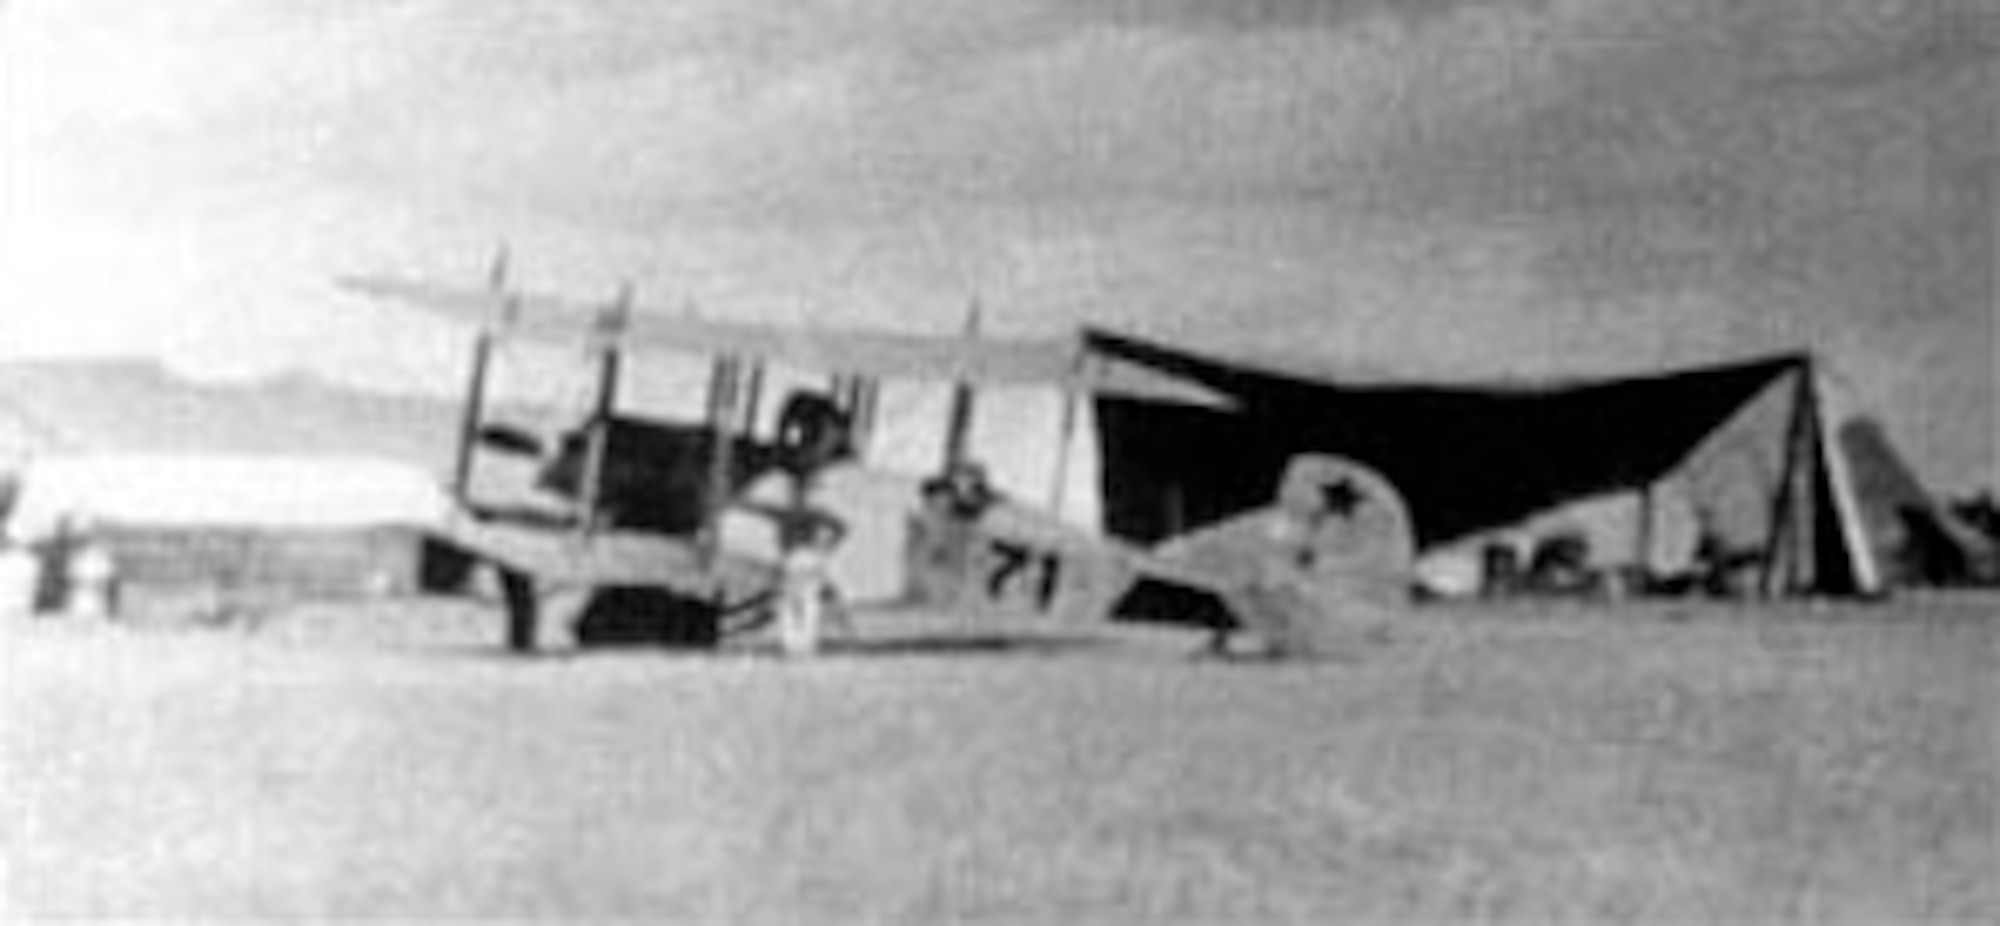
{"x": 1461, "y": 183}
{"x": 1276, "y": 15}
{"x": 1698, "y": 161}
{"x": 805, "y": 111}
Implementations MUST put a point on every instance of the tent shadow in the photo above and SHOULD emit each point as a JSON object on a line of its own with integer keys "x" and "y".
{"x": 962, "y": 644}
{"x": 993, "y": 645}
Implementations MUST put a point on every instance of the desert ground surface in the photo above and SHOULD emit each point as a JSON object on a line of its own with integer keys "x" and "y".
{"x": 1651, "y": 763}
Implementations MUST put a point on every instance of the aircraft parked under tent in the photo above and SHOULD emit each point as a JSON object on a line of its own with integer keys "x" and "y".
{"x": 1200, "y": 463}
{"x": 655, "y": 505}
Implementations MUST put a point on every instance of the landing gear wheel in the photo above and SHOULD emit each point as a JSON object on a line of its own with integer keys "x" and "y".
{"x": 635, "y": 615}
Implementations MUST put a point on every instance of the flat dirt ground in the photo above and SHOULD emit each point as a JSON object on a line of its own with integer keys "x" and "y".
{"x": 1657, "y": 763}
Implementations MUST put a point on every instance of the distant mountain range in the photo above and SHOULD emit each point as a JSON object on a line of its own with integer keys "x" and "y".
{"x": 132, "y": 406}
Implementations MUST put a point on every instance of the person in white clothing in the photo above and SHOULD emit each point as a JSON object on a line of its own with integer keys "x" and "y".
{"x": 806, "y": 592}
{"x": 813, "y": 435}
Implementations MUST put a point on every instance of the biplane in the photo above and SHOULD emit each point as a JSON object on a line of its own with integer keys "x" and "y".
{"x": 646, "y": 500}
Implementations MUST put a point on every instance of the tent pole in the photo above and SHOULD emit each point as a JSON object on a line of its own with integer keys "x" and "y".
{"x": 1805, "y": 566}
{"x": 1781, "y": 508}
{"x": 1860, "y": 552}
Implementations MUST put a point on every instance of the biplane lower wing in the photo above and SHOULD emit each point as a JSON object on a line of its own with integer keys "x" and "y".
{"x": 855, "y": 351}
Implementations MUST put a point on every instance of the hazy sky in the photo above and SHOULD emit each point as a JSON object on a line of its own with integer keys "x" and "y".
{"x": 1468, "y": 187}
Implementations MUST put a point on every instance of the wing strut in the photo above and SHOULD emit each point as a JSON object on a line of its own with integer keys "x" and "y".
{"x": 868, "y": 397}
{"x": 753, "y": 398}
{"x": 855, "y": 394}
{"x": 725, "y": 380}
{"x": 473, "y": 416}
{"x": 1059, "y": 491}
{"x": 609, "y": 326}
{"x": 959, "y": 427}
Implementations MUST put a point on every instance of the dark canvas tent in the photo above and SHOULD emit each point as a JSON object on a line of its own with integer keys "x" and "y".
{"x": 1748, "y": 442}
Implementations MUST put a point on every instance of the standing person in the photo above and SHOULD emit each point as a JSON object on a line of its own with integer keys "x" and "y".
{"x": 944, "y": 532}
{"x": 814, "y": 435}
{"x": 807, "y": 535}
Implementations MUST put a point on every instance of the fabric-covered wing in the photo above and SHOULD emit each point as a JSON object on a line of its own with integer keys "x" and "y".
{"x": 877, "y": 353}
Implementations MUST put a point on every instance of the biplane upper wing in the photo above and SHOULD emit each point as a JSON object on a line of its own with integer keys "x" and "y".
{"x": 859, "y": 351}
